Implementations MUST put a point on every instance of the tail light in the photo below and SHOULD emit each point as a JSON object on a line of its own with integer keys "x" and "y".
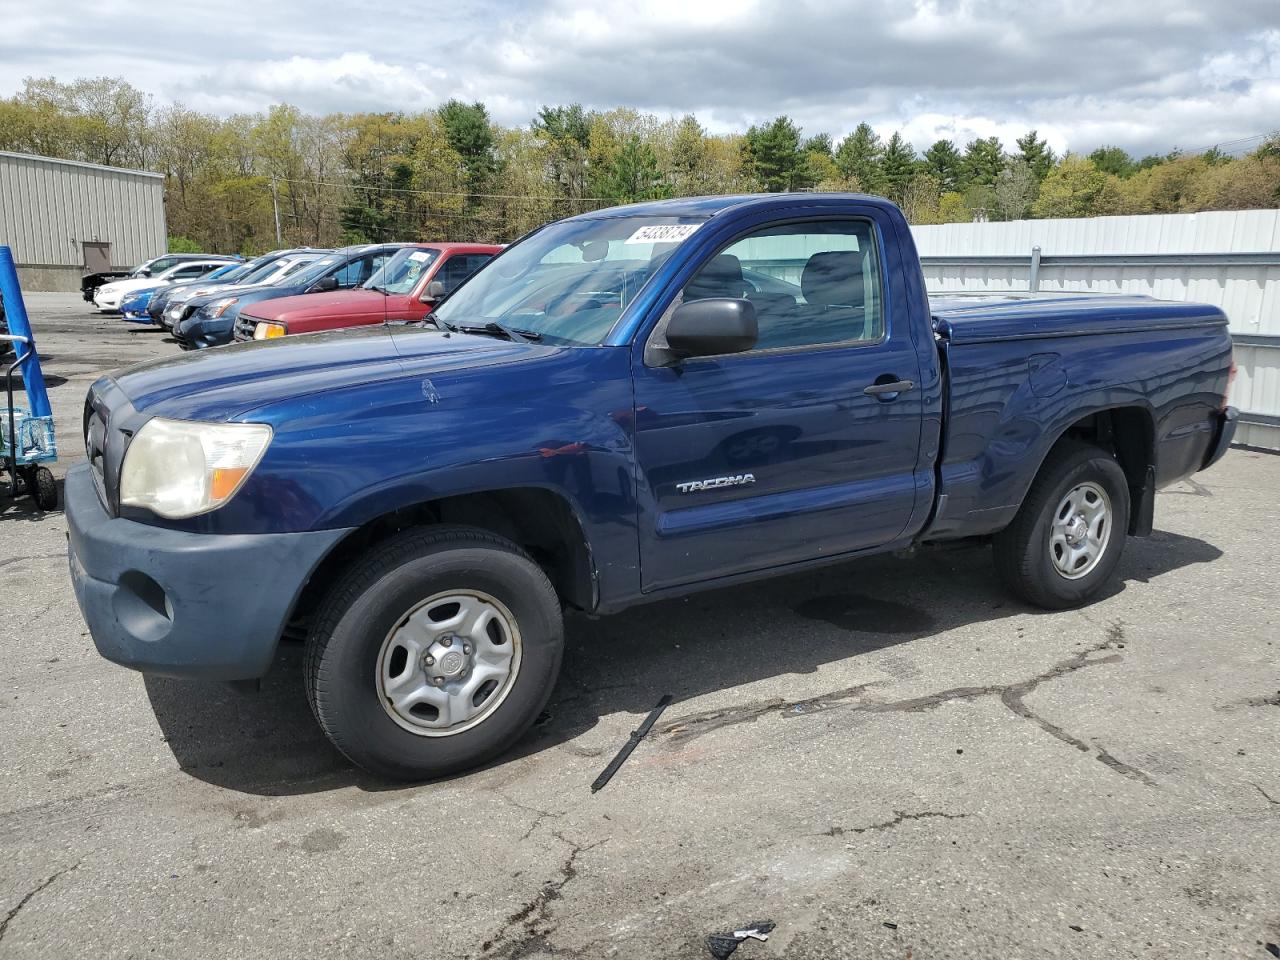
{"x": 1226, "y": 394}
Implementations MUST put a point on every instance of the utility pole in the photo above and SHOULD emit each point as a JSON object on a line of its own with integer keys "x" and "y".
{"x": 275, "y": 206}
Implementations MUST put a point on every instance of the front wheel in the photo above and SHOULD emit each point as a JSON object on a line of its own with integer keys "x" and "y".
{"x": 1066, "y": 540}
{"x": 434, "y": 653}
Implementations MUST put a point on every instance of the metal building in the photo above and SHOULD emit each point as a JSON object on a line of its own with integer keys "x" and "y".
{"x": 64, "y": 219}
{"x": 1229, "y": 259}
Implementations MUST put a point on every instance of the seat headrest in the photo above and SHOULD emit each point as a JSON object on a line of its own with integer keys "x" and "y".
{"x": 833, "y": 278}
{"x": 720, "y": 277}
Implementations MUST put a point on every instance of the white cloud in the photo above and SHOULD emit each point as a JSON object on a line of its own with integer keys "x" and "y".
{"x": 1189, "y": 73}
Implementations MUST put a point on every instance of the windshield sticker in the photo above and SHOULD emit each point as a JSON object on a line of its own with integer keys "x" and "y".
{"x": 419, "y": 256}
{"x": 664, "y": 233}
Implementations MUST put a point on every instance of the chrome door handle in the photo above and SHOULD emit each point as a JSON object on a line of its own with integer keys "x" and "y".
{"x": 880, "y": 389}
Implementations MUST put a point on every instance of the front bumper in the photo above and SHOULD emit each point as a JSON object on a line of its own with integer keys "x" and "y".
{"x": 181, "y": 604}
{"x": 1225, "y": 433}
{"x": 199, "y": 331}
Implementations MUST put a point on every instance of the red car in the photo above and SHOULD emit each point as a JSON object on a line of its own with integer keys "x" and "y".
{"x": 404, "y": 289}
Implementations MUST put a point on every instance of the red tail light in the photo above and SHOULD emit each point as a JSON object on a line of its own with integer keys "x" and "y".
{"x": 1226, "y": 394}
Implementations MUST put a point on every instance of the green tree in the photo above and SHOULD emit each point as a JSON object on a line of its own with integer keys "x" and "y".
{"x": 690, "y": 161}
{"x": 983, "y": 161}
{"x": 1115, "y": 161}
{"x": 467, "y": 130}
{"x": 1077, "y": 188}
{"x": 898, "y": 166}
{"x": 566, "y": 133}
{"x": 819, "y": 144}
{"x": 1015, "y": 190}
{"x": 942, "y": 161}
{"x": 1036, "y": 154}
{"x": 635, "y": 175}
{"x": 772, "y": 155}
{"x": 859, "y": 158}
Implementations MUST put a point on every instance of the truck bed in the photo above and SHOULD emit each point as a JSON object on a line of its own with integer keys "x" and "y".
{"x": 1021, "y": 368}
{"x": 970, "y": 318}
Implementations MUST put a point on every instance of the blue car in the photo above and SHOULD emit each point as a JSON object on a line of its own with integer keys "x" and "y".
{"x": 135, "y": 304}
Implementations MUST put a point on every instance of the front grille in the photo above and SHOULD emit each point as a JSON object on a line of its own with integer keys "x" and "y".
{"x": 110, "y": 421}
{"x": 245, "y": 327}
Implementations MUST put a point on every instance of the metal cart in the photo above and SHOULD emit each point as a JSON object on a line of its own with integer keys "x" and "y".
{"x": 26, "y": 432}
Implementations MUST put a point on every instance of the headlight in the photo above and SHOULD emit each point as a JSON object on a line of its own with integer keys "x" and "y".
{"x": 181, "y": 468}
{"x": 268, "y": 331}
{"x": 219, "y": 307}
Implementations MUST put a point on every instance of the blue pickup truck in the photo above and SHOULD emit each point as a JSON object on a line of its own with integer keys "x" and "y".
{"x": 623, "y": 406}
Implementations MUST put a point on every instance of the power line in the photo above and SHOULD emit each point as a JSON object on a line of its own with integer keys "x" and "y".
{"x": 446, "y": 193}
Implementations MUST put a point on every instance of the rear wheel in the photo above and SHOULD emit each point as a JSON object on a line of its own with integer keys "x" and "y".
{"x": 1066, "y": 540}
{"x": 434, "y": 653}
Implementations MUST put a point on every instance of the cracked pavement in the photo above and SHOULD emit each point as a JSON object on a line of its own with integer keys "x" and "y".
{"x": 888, "y": 759}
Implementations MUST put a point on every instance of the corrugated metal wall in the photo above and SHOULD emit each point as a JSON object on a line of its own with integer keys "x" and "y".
{"x": 973, "y": 256}
{"x": 48, "y": 208}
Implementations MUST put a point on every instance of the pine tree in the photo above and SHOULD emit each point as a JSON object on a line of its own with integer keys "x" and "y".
{"x": 859, "y": 156}
{"x": 1036, "y": 154}
{"x": 773, "y": 157}
{"x": 898, "y": 166}
{"x": 983, "y": 161}
{"x": 942, "y": 161}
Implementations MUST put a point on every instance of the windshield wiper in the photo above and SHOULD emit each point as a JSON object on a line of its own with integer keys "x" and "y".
{"x": 381, "y": 290}
{"x": 494, "y": 328}
{"x": 444, "y": 325}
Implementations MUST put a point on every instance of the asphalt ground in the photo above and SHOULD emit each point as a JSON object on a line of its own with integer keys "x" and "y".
{"x": 887, "y": 759}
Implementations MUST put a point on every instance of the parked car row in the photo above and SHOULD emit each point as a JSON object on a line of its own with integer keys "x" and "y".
{"x": 91, "y": 284}
{"x": 205, "y": 303}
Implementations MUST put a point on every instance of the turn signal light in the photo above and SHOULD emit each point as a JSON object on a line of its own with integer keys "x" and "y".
{"x": 268, "y": 331}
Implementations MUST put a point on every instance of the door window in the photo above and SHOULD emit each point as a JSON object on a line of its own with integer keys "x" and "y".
{"x": 811, "y": 283}
{"x": 358, "y": 271}
{"x": 458, "y": 268}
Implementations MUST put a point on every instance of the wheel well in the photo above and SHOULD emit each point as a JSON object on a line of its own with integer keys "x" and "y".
{"x": 538, "y": 520}
{"x": 1129, "y": 434}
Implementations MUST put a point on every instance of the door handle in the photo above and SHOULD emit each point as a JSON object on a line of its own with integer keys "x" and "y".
{"x": 895, "y": 386}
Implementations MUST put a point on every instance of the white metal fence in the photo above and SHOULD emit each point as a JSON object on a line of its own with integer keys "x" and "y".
{"x": 1230, "y": 259}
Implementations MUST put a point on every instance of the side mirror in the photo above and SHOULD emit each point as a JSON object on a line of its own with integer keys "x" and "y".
{"x": 324, "y": 285}
{"x": 707, "y": 328}
{"x": 434, "y": 291}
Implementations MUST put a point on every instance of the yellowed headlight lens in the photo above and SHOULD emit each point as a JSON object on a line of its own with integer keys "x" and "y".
{"x": 268, "y": 331}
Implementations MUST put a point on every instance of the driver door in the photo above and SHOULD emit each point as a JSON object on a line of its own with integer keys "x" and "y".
{"x": 778, "y": 455}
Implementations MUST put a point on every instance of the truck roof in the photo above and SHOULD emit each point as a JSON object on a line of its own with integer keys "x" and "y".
{"x": 705, "y": 207}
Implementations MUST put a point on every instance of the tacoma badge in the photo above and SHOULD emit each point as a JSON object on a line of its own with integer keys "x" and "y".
{"x": 697, "y": 486}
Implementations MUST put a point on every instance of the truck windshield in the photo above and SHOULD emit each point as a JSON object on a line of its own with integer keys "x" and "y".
{"x": 569, "y": 282}
{"x": 401, "y": 273}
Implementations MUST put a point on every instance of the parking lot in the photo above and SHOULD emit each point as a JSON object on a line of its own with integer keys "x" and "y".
{"x": 886, "y": 759}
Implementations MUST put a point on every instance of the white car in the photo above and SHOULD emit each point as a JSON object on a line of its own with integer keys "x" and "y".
{"x": 108, "y": 296}
{"x": 268, "y": 274}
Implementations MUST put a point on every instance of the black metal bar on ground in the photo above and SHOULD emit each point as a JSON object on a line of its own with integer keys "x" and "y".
{"x": 632, "y": 742}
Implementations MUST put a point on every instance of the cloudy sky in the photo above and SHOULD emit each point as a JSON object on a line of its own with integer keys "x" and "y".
{"x": 1147, "y": 76}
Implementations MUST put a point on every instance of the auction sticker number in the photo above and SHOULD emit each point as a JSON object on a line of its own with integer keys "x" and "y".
{"x": 664, "y": 233}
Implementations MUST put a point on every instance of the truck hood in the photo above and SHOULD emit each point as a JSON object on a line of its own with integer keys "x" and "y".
{"x": 355, "y": 306}
{"x": 229, "y": 382}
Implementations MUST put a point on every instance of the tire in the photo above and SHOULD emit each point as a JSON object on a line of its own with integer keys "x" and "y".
{"x": 45, "y": 489}
{"x": 354, "y": 639}
{"x": 1031, "y": 561}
